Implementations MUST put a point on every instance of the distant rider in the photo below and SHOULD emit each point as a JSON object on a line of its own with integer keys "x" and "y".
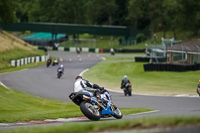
{"x": 61, "y": 68}
{"x": 82, "y": 85}
{"x": 198, "y": 88}
{"x": 124, "y": 82}
{"x": 55, "y": 62}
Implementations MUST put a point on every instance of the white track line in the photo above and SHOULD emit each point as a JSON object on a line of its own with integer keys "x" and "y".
{"x": 83, "y": 71}
{"x": 4, "y": 85}
{"x": 146, "y": 112}
{"x": 4, "y": 124}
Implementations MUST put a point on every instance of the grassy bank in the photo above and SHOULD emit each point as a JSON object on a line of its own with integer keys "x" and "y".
{"x": 111, "y": 71}
{"x": 106, "y": 126}
{"x": 18, "y": 106}
{"x": 13, "y": 48}
{"x": 13, "y": 54}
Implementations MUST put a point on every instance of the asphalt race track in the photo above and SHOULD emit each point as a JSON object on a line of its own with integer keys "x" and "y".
{"x": 43, "y": 82}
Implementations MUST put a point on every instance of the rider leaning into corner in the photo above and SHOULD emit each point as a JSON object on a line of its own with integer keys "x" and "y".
{"x": 82, "y": 85}
{"x": 124, "y": 82}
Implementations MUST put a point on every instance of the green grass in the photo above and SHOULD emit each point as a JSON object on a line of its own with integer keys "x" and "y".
{"x": 13, "y": 54}
{"x": 30, "y": 65}
{"x": 19, "y": 106}
{"x": 110, "y": 72}
{"x": 106, "y": 126}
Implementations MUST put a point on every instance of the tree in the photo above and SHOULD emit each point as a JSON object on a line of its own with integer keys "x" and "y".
{"x": 121, "y": 12}
{"x": 138, "y": 16}
{"x": 100, "y": 11}
{"x": 189, "y": 15}
{"x": 7, "y": 11}
{"x": 59, "y": 11}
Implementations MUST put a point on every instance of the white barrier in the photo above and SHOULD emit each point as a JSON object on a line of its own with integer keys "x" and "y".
{"x": 85, "y": 49}
{"x": 61, "y": 48}
{"x": 72, "y": 49}
{"x": 96, "y": 50}
{"x": 24, "y": 61}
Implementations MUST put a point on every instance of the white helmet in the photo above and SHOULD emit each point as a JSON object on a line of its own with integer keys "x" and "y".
{"x": 125, "y": 76}
{"x": 61, "y": 65}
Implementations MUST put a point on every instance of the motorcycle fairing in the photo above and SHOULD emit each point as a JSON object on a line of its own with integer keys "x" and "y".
{"x": 107, "y": 110}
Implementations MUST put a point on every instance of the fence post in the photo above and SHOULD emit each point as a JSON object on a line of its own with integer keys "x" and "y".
{"x": 13, "y": 63}
{"x": 18, "y": 62}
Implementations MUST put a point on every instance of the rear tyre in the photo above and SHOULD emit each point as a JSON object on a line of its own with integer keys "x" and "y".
{"x": 89, "y": 111}
{"x": 129, "y": 91}
{"x": 125, "y": 92}
{"x": 117, "y": 113}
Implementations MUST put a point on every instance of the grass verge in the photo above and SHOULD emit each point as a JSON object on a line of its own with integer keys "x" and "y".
{"x": 111, "y": 71}
{"x": 18, "y": 106}
{"x": 13, "y": 54}
{"x": 31, "y": 65}
{"x": 106, "y": 126}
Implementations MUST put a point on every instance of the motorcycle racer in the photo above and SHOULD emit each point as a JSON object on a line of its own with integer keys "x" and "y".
{"x": 61, "y": 68}
{"x": 126, "y": 86}
{"x": 82, "y": 85}
{"x": 124, "y": 82}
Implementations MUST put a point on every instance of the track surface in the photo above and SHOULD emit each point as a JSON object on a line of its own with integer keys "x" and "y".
{"x": 42, "y": 81}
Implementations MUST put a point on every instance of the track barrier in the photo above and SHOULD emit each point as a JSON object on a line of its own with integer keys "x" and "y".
{"x": 171, "y": 67}
{"x": 27, "y": 60}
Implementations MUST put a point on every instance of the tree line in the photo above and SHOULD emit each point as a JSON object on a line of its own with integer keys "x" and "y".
{"x": 152, "y": 15}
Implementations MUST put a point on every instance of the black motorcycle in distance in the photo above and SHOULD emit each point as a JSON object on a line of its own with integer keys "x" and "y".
{"x": 60, "y": 73}
{"x": 48, "y": 62}
{"x": 127, "y": 89}
{"x": 55, "y": 62}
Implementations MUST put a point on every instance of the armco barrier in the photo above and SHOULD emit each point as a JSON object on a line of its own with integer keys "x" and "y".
{"x": 27, "y": 60}
{"x": 171, "y": 67}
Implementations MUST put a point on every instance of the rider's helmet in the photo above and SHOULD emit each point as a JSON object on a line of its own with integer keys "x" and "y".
{"x": 79, "y": 77}
{"x": 61, "y": 65}
{"x": 199, "y": 81}
{"x": 125, "y": 76}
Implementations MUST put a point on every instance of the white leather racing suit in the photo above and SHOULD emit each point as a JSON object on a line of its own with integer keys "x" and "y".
{"x": 82, "y": 85}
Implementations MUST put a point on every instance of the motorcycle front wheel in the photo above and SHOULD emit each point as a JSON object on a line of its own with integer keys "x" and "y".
{"x": 59, "y": 75}
{"x": 90, "y": 111}
{"x": 117, "y": 113}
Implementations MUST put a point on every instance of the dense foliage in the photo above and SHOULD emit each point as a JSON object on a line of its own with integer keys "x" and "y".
{"x": 154, "y": 15}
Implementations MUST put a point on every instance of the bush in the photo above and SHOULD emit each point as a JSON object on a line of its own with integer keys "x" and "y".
{"x": 140, "y": 37}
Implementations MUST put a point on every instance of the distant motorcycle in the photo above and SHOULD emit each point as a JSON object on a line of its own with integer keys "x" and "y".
{"x": 60, "y": 73}
{"x": 127, "y": 89}
{"x": 198, "y": 91}
{"x": 95, "y": 108}
{"x": 55, "y": 62}
{"x": 48, "y": 62}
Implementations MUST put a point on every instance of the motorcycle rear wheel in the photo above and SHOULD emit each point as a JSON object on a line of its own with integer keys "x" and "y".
{"x": 129, "y": 91}
{"x": 89, "y": 111}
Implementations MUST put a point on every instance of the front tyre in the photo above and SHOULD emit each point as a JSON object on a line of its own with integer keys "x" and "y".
{"x": 117, "y": 113}
{"x": 59, "y": 75}
{"x": 90, "y": 111}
